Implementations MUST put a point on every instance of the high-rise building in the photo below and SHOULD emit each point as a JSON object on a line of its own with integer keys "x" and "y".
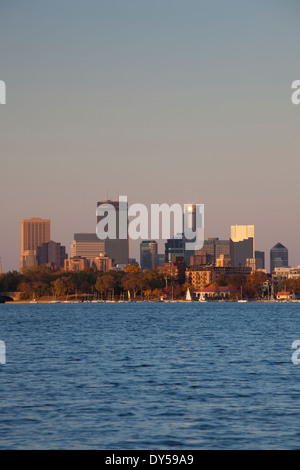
{"x": 148, "y": 252}
{"x": 279, "y": 257}
{"x": 75, "y": 264}
{"x": 34, "y": 232}
{"x": 28, "y": 260}
{"x": 51, "y": 254}
{"x": 224, "y": 260}
{"x": 159, "y": 259}
{"x": 242, "y": 243}
{"x": 215, "y": 248}
{"x": 174, "y": 247}
{"x": 214, "y": 251}
{"x": 260, "y": 259}
{"x": 201, "y": 258}
{"x": 102, "y": 263}
{"x": 133, "y": 262}
{"x": 116, "y": 248}
{"x": 87, "y": 245}
{"x": 189, "y": 226}
{"x": 251, "y": 263}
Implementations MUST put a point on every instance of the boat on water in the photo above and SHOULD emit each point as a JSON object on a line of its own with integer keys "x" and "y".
{"x": 241, "y": 299}
{"x": 54, "y": 300}
{"x": 202, "y": 298}
{"x": 188, "y": 296}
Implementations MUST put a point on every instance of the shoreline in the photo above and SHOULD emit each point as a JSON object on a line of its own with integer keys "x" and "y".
{"x": 20, "y": 302}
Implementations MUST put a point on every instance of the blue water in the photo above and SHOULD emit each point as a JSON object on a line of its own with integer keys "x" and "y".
{"x": 149, "y": 376}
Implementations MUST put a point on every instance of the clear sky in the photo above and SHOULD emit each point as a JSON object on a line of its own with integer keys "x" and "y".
{"x": 162, "y": 101}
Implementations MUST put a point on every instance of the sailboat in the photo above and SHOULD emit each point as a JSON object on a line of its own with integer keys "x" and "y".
{"x": 202, "y": 298}
{"x": 33, "y": 301}
{"x": 172, "y": 300}
{"x": 54, "y": 300}
{"x": 188, "y": 297}
{"x": 76, "y": 301}
{"x": 241, "y": 299}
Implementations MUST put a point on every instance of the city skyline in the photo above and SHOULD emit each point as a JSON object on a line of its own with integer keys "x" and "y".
{"x": 36, "y": 231}
{"x": 163, "y": 101}
{"x": 150, "y": 169}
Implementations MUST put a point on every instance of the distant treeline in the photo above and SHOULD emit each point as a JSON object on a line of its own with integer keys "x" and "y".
{"x": 44, "y": 282}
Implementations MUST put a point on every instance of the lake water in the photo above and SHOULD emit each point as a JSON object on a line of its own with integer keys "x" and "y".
{"x": 150, "y": 376}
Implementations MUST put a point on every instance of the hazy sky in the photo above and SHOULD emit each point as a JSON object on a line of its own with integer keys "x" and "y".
{"x": 162, "y": 101}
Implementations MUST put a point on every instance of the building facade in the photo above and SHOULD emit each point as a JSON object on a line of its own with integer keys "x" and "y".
{"x": 28, "y": 260}
{"x": 260, "y": 259}
{"x": 102, "y": 263}
{"x": 201, "y": 276}
{"x": 75, "y": 264}
{"x": 148, "y": 252}
{"x": 34, "y": 232}
{"x": 116, "y": 248}
{"x": 174, "y": 247}
{"x": 279, "y": 257}
{"x": 242, "y": 244}
{"x": 51, "y": 254}
{"x": 174, "y": 270}
{"x": 87, "y": 245}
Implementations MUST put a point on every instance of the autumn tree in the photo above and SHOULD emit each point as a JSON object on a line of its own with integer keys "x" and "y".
{"x": 63, "y": 286}
{"x": 134, "y": 282}
{"x": 105, "y": 283}
{"x": 154, "y": 279}
{"x": 132, "y": 268}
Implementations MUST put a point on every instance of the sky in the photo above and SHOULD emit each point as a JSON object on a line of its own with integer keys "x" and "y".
{"x": 162, "y": 101}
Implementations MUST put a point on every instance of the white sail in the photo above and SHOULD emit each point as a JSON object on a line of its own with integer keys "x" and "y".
{"x": 188, "y": 295}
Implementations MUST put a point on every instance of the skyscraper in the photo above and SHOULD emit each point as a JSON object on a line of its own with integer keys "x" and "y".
{"x": 116, "y": 248}
{"x": 174, "y": 247}
{"x": 242, "y": 243}
{"x": 148, "y": 252}
{"x": 87, "y": 245}
{"x": 215, "y": 248}
{"x": 51, "y": 254}
{"x": 189, "y": 227}
{"x": 279, "y": 257}
{"x": 260, "y": 259}
{"x": 34, "y": 232}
